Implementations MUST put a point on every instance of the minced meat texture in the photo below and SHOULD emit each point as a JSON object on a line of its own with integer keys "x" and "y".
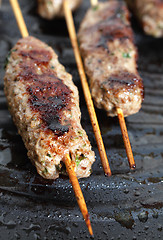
{"x": 44, "y": 104}
{"x": 106, "y": 44}
{"x": 150, "y": 15}
{"x": 49, "y": 9}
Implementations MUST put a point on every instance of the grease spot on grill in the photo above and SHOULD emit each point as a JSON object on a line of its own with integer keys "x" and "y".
{"x": 159, "y": 227}
{"x": 32, "y": 227}
{"x": 125, "y": 219}
{"x": 59, "y": 228}
{"x": 9, "y": 224}
{"x": 143, "y": 216}
{"x": 155, "y": 214}
{"x": 126, "y": 191}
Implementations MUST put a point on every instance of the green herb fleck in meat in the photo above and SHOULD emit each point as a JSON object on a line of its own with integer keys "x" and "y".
{"x": 78, "y": 159}
{"x": 95, "y": 8}
{"x": 126, "y": 55}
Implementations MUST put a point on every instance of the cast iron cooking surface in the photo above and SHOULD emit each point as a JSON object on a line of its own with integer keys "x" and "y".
{"x": 128, "y": 205}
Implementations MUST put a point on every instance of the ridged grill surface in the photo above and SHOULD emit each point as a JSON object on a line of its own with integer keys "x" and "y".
{"x": 129, "y": 205}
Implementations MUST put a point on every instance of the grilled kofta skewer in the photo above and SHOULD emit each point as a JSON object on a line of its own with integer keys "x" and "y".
{"x": 54, "y": 8}
{"x": 106, "y": 43}
{"x": 150, "y": 15}
{"x": 44, "y": 104}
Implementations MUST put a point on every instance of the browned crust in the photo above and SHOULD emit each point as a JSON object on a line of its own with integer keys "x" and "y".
{"x": 107, "y": 42}
{"x": 44, "y": 104}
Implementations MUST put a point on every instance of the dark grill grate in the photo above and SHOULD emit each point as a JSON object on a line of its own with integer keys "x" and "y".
{"x": 125, "y": 206}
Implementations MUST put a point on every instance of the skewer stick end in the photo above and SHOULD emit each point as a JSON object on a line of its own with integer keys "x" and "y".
{"x": 92, "y": 236}
{"x": 108, "y": 174}
{"x": 126, "y": 138}
{"x": 88, "y": 223}
{"x": 133, "y": 166}
{"x": 77, "y": 191}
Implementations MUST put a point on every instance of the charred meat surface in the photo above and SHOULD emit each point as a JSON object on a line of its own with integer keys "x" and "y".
{"x": 106, "y": 44}
{"x": 44, "y": 104}
{"x": 149, "y": 14}
{"x": 54, "y": 8}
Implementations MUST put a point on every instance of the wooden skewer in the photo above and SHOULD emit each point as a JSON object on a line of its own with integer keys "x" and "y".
{"x": 69, "y": 167}
{"x": 94, "y": 3}
{"x": 126, "y": 138}
{"x": 19, "y": 18}
{"x": 87, "y": 95}
{"x": 78, "y": 192}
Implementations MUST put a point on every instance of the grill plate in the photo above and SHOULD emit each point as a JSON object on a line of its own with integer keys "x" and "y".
{"x": 125, "y": 206}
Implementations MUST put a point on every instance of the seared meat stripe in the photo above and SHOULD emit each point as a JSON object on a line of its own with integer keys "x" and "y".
{"x": 54, "y": 8}
{"x": 106, "y": 43}
{"x": 149, "y": 14}
{"x": 44, "y": 104}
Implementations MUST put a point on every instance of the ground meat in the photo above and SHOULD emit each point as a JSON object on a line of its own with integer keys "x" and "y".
{"x": 149, "y": 14}
{"x": 44, "y": 104}
{"x": 54, "y": 8}
{"x": 106, "y": 44}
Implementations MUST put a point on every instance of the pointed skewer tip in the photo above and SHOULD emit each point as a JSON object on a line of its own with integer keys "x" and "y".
{"x": 88, "y": 223}
{"x": 92, "y": 236}
{"x": 108, "y": 174}
{"x": 77, "y": 191}
{"x": 126, "y": 138}
{"x": 133, "y": 167}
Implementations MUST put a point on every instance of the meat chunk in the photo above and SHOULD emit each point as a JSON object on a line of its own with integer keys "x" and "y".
{"x": 106, "y": 44}
{"x": 149, "y": 14}
{"x": 44, "y": 104}
{"x": 54, "y": 8}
